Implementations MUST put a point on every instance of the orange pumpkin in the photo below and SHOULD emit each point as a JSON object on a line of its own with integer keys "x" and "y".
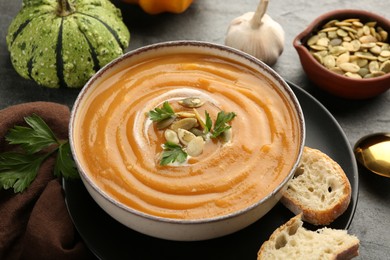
{"x": 160, "y": 6}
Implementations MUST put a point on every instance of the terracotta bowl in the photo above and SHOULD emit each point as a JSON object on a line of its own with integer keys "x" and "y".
{"x": 329, "y": 81}
{"x": 154, "y": 225}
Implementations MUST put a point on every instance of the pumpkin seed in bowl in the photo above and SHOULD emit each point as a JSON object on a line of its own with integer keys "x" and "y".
{"x": 346, "y": 53}
{"x": 352, "y": 48}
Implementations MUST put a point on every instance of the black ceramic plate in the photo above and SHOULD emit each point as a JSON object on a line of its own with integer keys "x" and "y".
{"x": 109, "y": 239}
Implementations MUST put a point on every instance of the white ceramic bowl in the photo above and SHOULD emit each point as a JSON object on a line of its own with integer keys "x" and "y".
{"x": 188, "y": 229}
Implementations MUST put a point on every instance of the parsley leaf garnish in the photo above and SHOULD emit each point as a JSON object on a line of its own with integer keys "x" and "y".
{"x": 209, "y": 122}
{"x": 37, "y": 142}
{"x": 172, "y": 153}
{"x": 159, "y": 114}
{"x": 220, "y": 124}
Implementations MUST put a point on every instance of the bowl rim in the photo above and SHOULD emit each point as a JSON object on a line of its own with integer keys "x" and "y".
{"x": 197, "y": 44}
{"x": 300, "y": 41}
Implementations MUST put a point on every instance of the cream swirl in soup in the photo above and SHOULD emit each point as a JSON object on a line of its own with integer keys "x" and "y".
{"x": 120, "y": 147}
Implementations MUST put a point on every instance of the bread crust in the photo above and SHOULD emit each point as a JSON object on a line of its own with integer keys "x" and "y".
{"x": 348, "y": 249}
{"x": 295, "y": 221}
{"x": 293, "y": 200}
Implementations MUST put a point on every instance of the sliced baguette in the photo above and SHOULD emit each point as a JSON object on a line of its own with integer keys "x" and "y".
{"x": 293, "y": 241}
{"x": 319, "y": 189}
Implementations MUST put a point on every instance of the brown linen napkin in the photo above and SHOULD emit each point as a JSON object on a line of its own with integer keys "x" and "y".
{"x": 35, "y": 224}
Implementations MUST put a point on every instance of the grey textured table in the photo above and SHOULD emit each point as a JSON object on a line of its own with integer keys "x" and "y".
{"x": 207, "y": 20}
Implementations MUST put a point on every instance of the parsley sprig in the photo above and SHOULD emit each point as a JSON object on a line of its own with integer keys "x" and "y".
{"x": 209, "y": 123}
{"x": 159, "y": 114}
{"x": 37, "y": 143}
{"x": 172, "y": 153}
{"x": 221, "y": 124}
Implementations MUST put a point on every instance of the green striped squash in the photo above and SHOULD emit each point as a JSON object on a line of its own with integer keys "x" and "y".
{"x": 62, "y": 43}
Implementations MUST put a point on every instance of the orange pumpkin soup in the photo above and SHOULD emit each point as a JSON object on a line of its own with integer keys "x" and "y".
{"x": 118, "y": 144}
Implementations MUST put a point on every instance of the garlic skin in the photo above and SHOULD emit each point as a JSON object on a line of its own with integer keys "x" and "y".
{"x": 261, "y": 37}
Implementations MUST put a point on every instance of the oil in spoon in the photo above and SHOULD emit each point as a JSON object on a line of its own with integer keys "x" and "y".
{"x": 373, "y": 152}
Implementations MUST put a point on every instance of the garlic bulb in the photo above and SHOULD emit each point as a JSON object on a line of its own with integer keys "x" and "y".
{"x": 256, "y": 33}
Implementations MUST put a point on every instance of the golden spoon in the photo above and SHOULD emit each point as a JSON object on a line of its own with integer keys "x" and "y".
{"x": 373, "y": 152}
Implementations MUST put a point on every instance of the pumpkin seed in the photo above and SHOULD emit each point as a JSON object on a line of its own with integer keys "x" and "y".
{"x": 313, "y": 40}
{"x": 348, "y": 29}
{"x": 185, "y": 136}
{"x": 373, "y": 66}
{"x": 354, "y": 59}
{"x": 352, "y": 35}
{"x": 318, "y": 47}
{"x": 360, "y": 32}
{"x": 373, "y": 32}
{"x": 185, "y": 123}
{"x": 335, "y": 42}
{"x": 363, "y": 72}
{"x": 331, "y": 23}
{"x": 361, "y": 62}
{"x": 357, "y": 24}
{"x": 378, "y": 73}
{"x": 322, "y": 53}
{"x": 197, "y": 132}
{"x": 368, "y": 39}
{"x": 199, "y": 119}
{"x": 337, "y": 70}
{"x": 353, "y": 75}
{"x": 366, "y": 30}
{"x": 367, "y": 45}
{"x": 227, "y": 135}
{"x": 165, "y": 123}
{"x": 343, "y": 58}
{"x": 375, "y": 49}
{"x": 351, "y": 20}
{"x": 385, "y": 46}
{"x": 329, "y": 29}
{"x": 366, "y": 55}
{"x": 349, "y": 67}
{"x": 343, "y": 23}
{"x": 385, "y": 67}
{"x": 355, "y": 45}
{"x": 185, "y": 114}
{"x": 322, "y": 35}
{"x": 385, "y": 53}
{"x": 171, "y": 136}
{"x": 323, "y": 42}
{"x": 337, "y": 50}
{"x": 195, "y": 146}
{"x": 192, "y": 102}
{"x": 347, "y": 39}
{"x": 378, "y": 36}
{"x": 383, "y": 59}
{"x": 341, "y": 33}
{"x": 329, "y": 61}
{"x": 384, "y": 35}
{"x": 318, "y": 57}
{"x": 347, "y": 45}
